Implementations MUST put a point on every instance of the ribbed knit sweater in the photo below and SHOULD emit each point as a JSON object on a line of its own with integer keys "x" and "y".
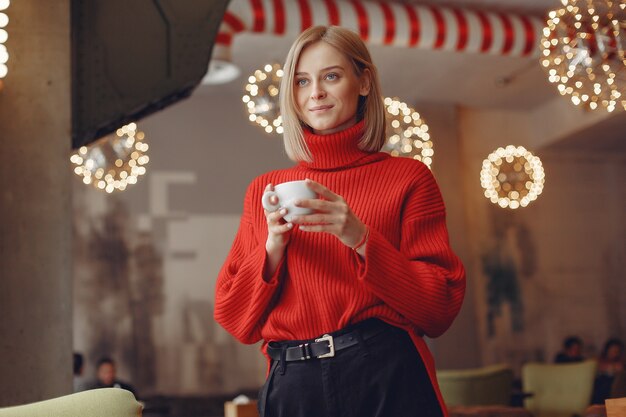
{"x": 409, "y": 276}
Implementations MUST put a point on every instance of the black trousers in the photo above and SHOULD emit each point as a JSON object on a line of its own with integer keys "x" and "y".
{"x": 383, "y": 376}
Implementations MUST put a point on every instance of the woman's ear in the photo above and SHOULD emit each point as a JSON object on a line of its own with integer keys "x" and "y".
{"x": 365, "y": 82}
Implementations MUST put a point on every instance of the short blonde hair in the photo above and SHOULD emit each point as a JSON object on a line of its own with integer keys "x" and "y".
{"x": 370, "y": 107}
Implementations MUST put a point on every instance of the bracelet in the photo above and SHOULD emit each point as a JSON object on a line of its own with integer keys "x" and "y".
{"x": 363, "y": 241}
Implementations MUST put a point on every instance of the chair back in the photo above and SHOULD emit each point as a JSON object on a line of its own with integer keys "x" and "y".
{"x": 558, "y": 390}
{"x": 490, "y": 385}
{"x": 102, "y": 402}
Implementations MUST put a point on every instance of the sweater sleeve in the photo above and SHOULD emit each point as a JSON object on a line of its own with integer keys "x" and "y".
{"x": 242, "y": 296}
{"x": 423, "y": 280}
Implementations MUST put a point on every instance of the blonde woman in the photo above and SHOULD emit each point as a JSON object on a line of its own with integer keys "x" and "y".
{"x": 342, "y": 297}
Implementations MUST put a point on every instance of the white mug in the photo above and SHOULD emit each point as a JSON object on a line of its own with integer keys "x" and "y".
{"x": 287, "y": 193}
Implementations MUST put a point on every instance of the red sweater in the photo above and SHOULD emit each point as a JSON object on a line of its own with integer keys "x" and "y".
{"x": 409, "y": 277}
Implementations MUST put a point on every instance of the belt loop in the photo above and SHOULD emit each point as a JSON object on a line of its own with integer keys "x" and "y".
{"x": 283, "y": 359}
{"x": 361, "y": 339}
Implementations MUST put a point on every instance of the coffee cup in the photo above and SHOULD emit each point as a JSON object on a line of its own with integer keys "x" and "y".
{"x": 286, "y": 194}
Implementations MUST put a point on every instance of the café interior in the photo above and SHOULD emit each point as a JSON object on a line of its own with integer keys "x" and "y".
{"x": 129, "y": 132}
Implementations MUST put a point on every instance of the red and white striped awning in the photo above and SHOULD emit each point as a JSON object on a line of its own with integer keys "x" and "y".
{"x": 386, "y": 23}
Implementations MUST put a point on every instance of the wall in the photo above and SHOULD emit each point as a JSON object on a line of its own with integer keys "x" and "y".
{"x": 559, "y": 258}
{"x": 147, "y": 258}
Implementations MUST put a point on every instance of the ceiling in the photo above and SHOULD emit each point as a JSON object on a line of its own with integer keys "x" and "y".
{"x": 466, "y": 79}
{"x": 609, "y": 138}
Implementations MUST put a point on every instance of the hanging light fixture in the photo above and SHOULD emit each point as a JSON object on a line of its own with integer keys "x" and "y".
{"x": 512, "y": 177}
{"x": 113, "y": 162}
{"x": 261, "y": 98}
{"x": 584, "y": 47}
{"x": 407, "y": 134}
{"x": 221, "y": 69}
{"x": 4, "y": 35}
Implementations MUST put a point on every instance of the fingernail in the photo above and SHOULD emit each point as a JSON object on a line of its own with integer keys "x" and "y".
{"x": 307, "y": 180}
{"x": 289, "y": 225}
{"x": 297, "y": 202}
{"x": 283, "y": 211}
{"x": 295, "y": 218}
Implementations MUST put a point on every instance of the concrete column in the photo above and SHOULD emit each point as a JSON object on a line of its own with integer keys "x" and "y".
{"x": 457, "y": 348}
{"x": 35, "y": 205}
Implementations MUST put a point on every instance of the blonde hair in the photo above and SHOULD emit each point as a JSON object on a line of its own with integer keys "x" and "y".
{"x": 370, "y": 107}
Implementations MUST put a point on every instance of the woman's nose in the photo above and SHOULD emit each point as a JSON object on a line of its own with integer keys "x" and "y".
{"x": 317, "y": 92}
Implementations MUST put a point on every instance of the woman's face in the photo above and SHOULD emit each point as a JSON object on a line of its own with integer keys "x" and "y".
{"x": 327, "y": 89}
{"x": 614, "y": 352}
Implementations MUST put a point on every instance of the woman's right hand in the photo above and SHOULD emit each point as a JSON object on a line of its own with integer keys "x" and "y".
{"x": 278, "y": 234}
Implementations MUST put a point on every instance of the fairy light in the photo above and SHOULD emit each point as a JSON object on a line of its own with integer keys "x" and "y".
{"x": 4, "y": 36}
{"x": 261, "y": 98}
{"x": 512, "y": 177}
{"x": 407, "y": 134}
{"x": 583, "y": 52}
{"x": 113, "y": 162}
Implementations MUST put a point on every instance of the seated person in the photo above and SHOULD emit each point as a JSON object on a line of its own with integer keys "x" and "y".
{"x": 79, "y": 380}
{"x": 612, "y": 359}
{"x": 106, "y": 376}
{"x": 610, "y": 363}
{"x": 572, "y": 351}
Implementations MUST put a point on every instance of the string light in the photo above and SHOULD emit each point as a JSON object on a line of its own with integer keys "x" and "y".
{"x": 261, "y": 98}
{"x": 407, "y": 134}
{"x": 113, "y": 162}
{"x": 583, "y": 52}
{"x": 512, "y": 177}
{"x": 4, "y": 35}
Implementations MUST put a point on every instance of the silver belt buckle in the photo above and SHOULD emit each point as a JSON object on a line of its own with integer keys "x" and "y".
{"x": 331, "y": 344}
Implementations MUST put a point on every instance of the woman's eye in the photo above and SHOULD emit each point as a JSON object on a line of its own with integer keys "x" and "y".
{"x": 301, "y": 82}
{"x": 331, "y": 76}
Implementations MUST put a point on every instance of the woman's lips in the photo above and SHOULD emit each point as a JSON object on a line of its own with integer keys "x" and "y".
{"x": 319, "y": 109}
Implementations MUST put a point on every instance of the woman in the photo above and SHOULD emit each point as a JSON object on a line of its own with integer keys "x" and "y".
{"x": 612, "y": 358}
{"x": 342, "y": 297}
{"x": 610, "y": 367}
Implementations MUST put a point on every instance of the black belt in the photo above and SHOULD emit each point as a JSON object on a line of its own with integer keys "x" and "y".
{"x": 326, "y": 346}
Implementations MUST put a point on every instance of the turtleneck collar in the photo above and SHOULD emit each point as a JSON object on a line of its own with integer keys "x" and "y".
{"x": 337, "y": 150}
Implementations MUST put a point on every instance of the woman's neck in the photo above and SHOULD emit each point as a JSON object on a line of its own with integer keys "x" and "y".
{"x": 345, "y": 125}
{"x": 336, "y": 150}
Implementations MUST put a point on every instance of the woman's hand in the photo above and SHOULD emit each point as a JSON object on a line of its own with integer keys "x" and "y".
{"x": 278, "y": 234}
{"x": 331, "y": 215}
{"x": 277, "y": 229}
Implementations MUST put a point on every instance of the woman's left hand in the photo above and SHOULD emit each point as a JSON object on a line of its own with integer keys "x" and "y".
{"x": 331, "y": 215}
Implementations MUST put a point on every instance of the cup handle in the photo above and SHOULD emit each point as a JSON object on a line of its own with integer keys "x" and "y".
{"x": 265, "y": 201}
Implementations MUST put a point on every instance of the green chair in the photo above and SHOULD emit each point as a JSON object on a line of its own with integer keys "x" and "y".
{"x": 103, "y": 402}
{"x": 558, "y": 390}
{"x": 490, "y": 385}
